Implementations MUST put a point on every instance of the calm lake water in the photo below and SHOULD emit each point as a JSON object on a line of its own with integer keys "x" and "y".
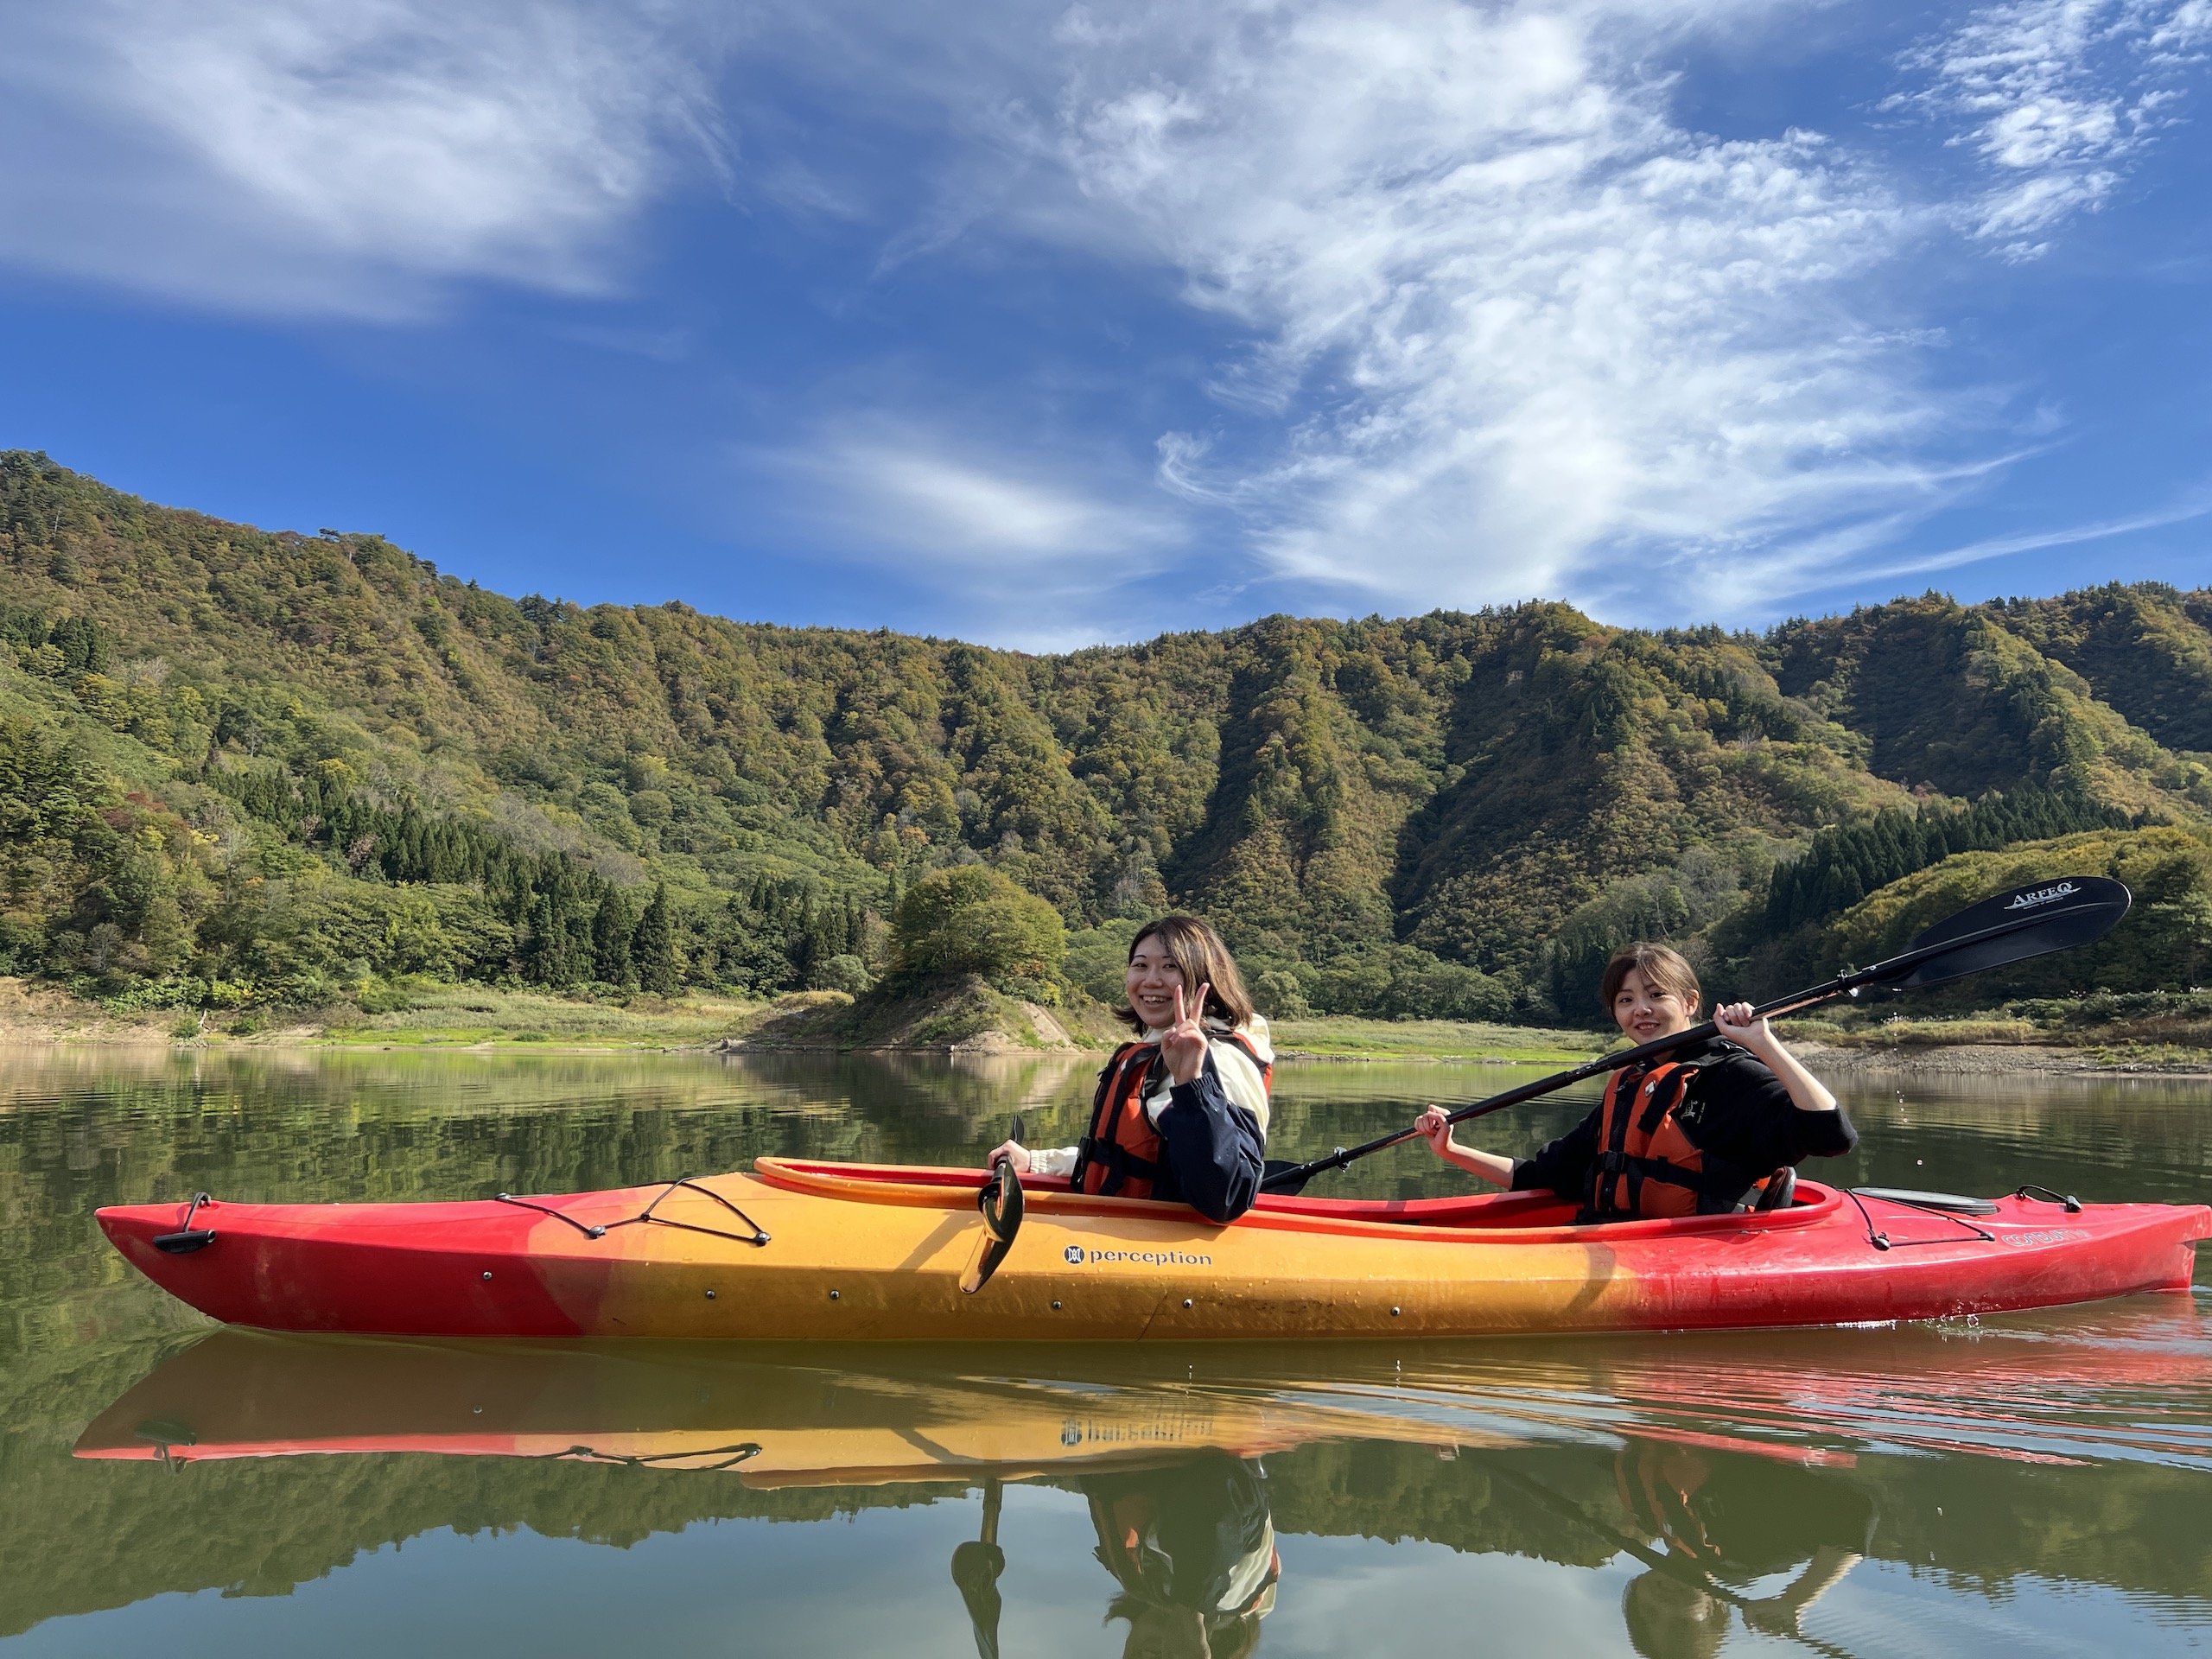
{"x": 2029, "y": 1485}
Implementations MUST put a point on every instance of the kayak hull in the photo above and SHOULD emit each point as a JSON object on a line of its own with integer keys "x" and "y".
{"x": 857, "y": 1252}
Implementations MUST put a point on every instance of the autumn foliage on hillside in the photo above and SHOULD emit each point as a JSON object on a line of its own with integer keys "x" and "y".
{"x": 243, "y": 764}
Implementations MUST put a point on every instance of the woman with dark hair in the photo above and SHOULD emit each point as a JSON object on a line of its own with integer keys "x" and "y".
{"x": 1181, "y": 1110}
{"x": 1689, "y": 1132}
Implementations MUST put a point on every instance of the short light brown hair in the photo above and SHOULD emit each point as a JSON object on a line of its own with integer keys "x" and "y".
{"x": 1663, "y": 968}
{"x": 1203, "y": 960}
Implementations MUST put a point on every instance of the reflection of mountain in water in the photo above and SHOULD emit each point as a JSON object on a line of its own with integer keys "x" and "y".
{"x": 1746, "y": 1458}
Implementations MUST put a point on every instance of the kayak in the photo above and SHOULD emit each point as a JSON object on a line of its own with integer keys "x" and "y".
{"x": 817, "y": 1250}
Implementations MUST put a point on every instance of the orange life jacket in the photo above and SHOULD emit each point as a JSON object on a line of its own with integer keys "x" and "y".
{"x": 1120, "y": 1155}
{"x": 1646, "y": 1166}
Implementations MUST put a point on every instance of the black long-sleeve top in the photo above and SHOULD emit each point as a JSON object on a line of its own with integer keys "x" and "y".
{"x": 1736, "y": 1112}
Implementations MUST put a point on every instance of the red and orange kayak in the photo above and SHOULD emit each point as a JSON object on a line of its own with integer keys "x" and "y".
{"x": 855, "y": 1251}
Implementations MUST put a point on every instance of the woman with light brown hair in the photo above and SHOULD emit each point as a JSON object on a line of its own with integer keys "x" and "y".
{"x": 1181, "y": 1110}
{"x": 1691, "y": 1131}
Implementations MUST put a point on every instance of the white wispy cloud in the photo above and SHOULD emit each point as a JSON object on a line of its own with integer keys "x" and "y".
{"x": 1026, "y": 544}
{"x": 2056, "y": 99}
{"x": 1502, "y": 323}
{"x": 1519, "y": 329}
{"x": 299, "y": 155}
{"x": 2197, "y": 506}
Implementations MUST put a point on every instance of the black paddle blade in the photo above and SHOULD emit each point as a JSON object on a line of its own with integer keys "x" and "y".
{"x": 976, "y": 1569}
{"x": 1002, "y": 1218}
{"x": 1000, "y": 1202}
{"x": 2015, "y": 924}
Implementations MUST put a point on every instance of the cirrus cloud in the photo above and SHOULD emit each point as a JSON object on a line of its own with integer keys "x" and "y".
{"x": 292, "y": 156}
{"x": 2057, "y": 97}
{"x": 1516, "y": 329}
{"x": 1465, "y": 307}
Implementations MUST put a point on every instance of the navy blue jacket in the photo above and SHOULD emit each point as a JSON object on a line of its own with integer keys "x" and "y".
{"x": 1212, "y": 1154}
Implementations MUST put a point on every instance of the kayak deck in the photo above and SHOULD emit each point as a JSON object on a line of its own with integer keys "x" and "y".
{"x": 808, "y": 1249}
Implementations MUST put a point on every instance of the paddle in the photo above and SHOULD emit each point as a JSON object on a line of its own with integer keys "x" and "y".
{"x": 976, "y": 1568}
{"x": 999, "y": 1200}
{"x": 2008, "y": 927}
{"x": 1662, "y": 1561}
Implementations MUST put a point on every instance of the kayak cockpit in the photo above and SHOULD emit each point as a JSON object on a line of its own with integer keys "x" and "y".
{"x": 1499, "y": 1217}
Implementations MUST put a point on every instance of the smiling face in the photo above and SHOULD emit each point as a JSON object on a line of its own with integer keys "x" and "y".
{"x": 1153, "y": 979}
{"x": 1646, "y": 1012}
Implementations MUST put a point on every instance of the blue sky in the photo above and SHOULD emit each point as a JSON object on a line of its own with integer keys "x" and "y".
{"x": 1049, "y": 325}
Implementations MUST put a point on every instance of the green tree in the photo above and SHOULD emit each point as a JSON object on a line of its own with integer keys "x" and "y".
{"x": 970, "y": 919}
{"x": 654, "y": 951}
{"x": 612, "y": 929}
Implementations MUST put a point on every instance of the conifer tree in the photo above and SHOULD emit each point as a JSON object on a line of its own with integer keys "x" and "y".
{"x": 654, "y": 951}
{"x": 612, "y": 928}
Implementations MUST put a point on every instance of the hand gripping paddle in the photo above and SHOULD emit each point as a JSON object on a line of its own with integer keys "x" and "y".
{"x": 999, "y": 1199}
{"x": 2007, "y": 927}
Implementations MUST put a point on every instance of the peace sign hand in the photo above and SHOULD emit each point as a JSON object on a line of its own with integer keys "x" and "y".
{"x": 1183, "y": 1044}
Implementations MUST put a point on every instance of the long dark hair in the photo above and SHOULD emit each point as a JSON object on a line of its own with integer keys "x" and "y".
{"x": 1204, "y": 960}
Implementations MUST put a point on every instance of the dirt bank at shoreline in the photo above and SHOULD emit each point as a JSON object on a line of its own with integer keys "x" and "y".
{"x": 1992, "y": 1058}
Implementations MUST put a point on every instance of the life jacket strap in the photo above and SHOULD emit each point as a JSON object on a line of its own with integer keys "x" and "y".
{"x": 1612, "y": 1165}
{"x": 1123, "y": 1165}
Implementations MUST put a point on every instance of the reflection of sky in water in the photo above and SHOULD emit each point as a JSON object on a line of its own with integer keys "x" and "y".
{"x": 2039, "y": 1483}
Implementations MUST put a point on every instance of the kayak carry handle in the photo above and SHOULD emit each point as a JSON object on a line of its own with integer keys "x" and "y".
{"x": 186, "y": 1238}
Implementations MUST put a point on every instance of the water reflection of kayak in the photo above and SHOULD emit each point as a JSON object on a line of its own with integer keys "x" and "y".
{"x": 242, "y": 1394}
{"x": 2128, "y": 1382}
{"x": 1737, "y": 1472}
{"x": 855, "y": 1251}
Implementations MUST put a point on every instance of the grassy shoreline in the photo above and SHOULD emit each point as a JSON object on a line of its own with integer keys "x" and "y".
{"x": 476, "y": 1018}
{"x": 1340, "y": 1037}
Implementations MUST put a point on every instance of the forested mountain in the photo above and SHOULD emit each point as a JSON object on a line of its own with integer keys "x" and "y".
{"x": 238, "y": 764}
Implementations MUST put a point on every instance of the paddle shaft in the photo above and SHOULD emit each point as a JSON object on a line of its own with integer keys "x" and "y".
{"x": 1560, "y": 1504}
{"x": 1844, "y": 984}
